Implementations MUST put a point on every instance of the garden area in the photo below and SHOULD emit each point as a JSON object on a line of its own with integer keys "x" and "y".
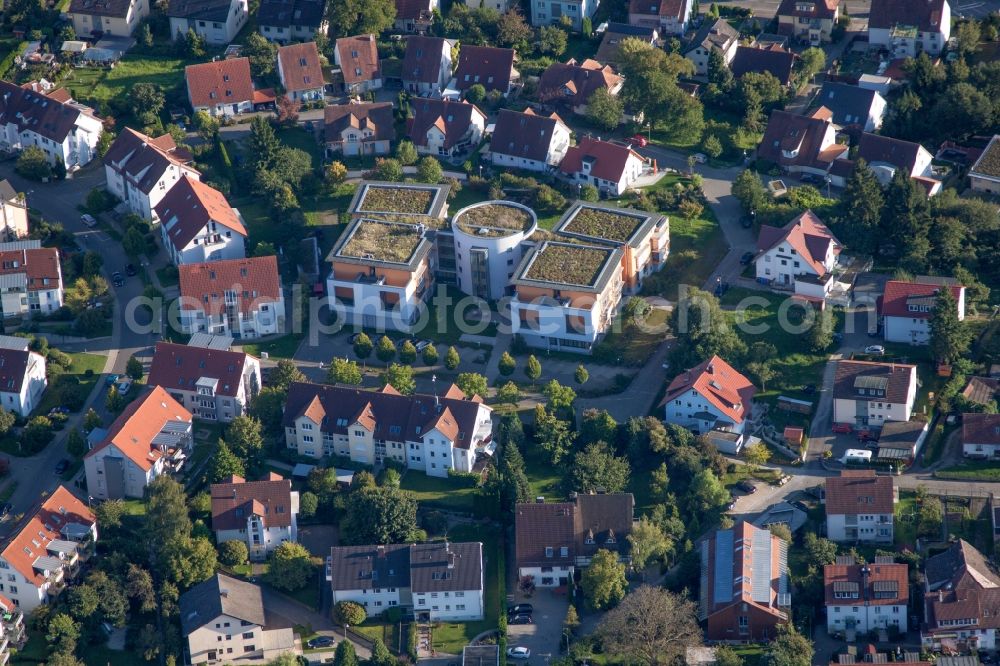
{"x": 453, "y": 494}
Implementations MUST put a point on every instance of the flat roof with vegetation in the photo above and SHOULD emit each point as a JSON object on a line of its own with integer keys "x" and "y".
{"x": 616, "y": 225}
{"x": 494, "y": 219}
{"x": 569, "y": 264}
{"x": 399, "y": 199}
{"x": 988, "y": 163}
{"x": 381, "y": 240}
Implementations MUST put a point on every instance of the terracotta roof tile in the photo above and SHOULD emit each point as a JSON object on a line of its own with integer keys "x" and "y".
{"x": 981, "y": 390}
{"x": 376, "y": 117}
{"x": 751, "y": 552}
{"x": 981, "y": 429}
{"x": 665, "y": 8}
{"x": 582, "y": 79}
{"x": 300, "y": 67}
{"x": 414, "y": 10}
{"x": 777, "y": 61}
{"x": 720, "y": 383}
{"x": 453, "y": 118}
{"x": 219, "y": 82}
{"x": 422, "y": 61}
{"x": 859, "y": 491}
{"x": 898, "y": 296}
{"x": 608, "y": 160}
{"x": 820, "y": 9}
{"x": 582, "y": 527}
{"x": 142, "y": 160}
{"x": 486, "y": 65}
{"x": 924, "y": 14}
{"x": 525, "y": 135}
{"x": 233, "y": 502}
{"x": 875, "y": 148}
{"x": 37, "y": 112}
{"x": 806, "y": 234}
{"x": 194, "y": 204}
{"x": 876, "y": 584}
{"x": 40, "y": 266}
{"x": 801, "y": 135}
{"x": 14, "y": 367}
{"x": 254, "y": 280}
{"x": 362, "y": 67}
{"x": 115, "y": 8}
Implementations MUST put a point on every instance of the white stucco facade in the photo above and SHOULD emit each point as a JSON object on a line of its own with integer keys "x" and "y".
{"x": 214, "y": 242}
{"x": 24, "y": 401}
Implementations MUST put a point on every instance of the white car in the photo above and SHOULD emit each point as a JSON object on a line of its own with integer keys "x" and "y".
{"x": 518, "y": 652}
{"x": 88, "y": 220}
{"x": 876, "y": 350}
{"x": 700, "y": 158}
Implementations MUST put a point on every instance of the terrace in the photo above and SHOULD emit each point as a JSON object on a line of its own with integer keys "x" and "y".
{"x": 605, "y": 223}
{"x": 379, "y": 240}
{"x": 396, "y": 199}
{"x": 565, "y": 263}
{"x": 495, "y": 219}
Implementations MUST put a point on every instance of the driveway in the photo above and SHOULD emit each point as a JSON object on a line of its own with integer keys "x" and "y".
{"x": 542, "y": 637}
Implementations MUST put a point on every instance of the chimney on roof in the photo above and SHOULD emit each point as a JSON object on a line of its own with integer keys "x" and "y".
{"x": 709, "y": 369}
{"x": 381, "y": 551}
{"x": 437, "y": 399}
{"x": 539, "y": 500}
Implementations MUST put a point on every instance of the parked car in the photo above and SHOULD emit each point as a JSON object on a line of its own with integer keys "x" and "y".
{"x": 800, "y": 505}
{"x": 61, "y": 467}
{"x": 842, "y": 428}
{"x": 117, "y": 279}
{"x": 811, "y": 178}
{"x": 639, "y": 140}
{"x": 520, "y": 619}
{"x": 6, "y": 509}
{"x": 875, "y": 350}
{"x": 518, "y": 653}
{"x": 783, "y": 479}
{"x": 809, "y": 389}
{"x": 520, "y": 609}
{"x": 747, "y": 487}
{"x": 112, "y": 380}
{"x": 746, "y": 258}
{"x": 700, "y": 158}
{"x": 130, "y": 270}
{"x": 721, "y": 288}
{"x": 731, "y": 505}
{"x": 320, "y": 642}
{"x": 124, "y": 386}
{"x": 88, "y": 220}
{"x": 866, "y": 435}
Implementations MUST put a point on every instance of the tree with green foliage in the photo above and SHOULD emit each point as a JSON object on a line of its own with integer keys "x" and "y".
{"x": 114, "y": 401}
{"x": 233, "y": 553}
{"x": 597, "y": 425}
{"x": 560, "y": 397}
{"x": 703, "y": 330}
{"x": 225, "y": 463}
{"x": 509, "y": 394}
{"x": 407, "y": 353}
{"x": 33, "y": 164}
{"x": 647, "y": 543}
{"x": 905, "y": 222}
{"x": 650, "y": 626}
{"x": 581, "y": 375}
{"x": 757, "y": 456}
{"x": 360, "y": 17}
{"x": 290, "y": 567}
{"x": 552, "y": 41}
{"x": 264, "y": 147}
{"x": 820, "y": 551}
{"x": 134, "y": 243}
{"x": 76, "y": 445}
{"x": 349, "y": 613}
{"x": 134, "y": 368}
{"x": 8, "y": 419}
{"x": 749, "y": 190}
{"x": 719, "y": 73}
{"x": 930, "y": 517}
{"x": 363, "y": 346}
{"x": 379, "y": 515}
{"x": 707, "y": 492}
{"x": 194, "y": 44}
{"x": 552, "y": 434}
{"x": 950, "y": 337}
{"x": 263, "y": 54}
{"x": 603, "y": 582}
{"x": 388, "y": 169}
{"x": 598, "y": 468}
{"x": 507, "y": 364}
{"x": 308, "y": 504}
{"x": 400, "y": 377}
{"x": 811, "y": 62}
{"x": 147, "y": 101}
{"x": 452, "y": 359}
{"x": 429, "y": 355}
{"x": 245, "y": 436}
{"x": 790, "y": 648}
{"x": 344, "y": 371}
{"x": 284, "y": 374}
{"x": 533, "y": 368}
{"x": 345, "y": 655}
{"x": 476, "y": 94}
{"x": 604, "y": 109}
{"x": 429, "y": 170}
{"x": 62, "y": 634}
{"x": 385, "y": 351}
{"x": 381, "y": 655}
{"x": 110, "y": 512}
{"x": 472, "y": 383}
{"x": 725, "y": 655}
{"x": 712, "y": 146}
{"x": 862, "y": 202}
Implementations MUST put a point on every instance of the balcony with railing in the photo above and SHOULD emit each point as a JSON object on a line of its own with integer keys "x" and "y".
{"x": 12, "y": 626}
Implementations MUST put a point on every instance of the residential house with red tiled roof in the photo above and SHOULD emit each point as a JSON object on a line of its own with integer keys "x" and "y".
{"x": 215, "y": 21}
{"x": 238, "y": 297}
{"x": 426, "y": 65}
{"x": 802, "y": 254}
{"x": 616, "y": 33}
{"x": 213, "y": 384}
{"x": 571, "y": 84}
{"x": 357, "y": 58}
{"x": 907, "y": 27}
{"x": 528, "y": 140}
{"x": 116, "y": 18}
{"x": 220, "y": 87}
{"x": 64, "y": 130}
{"x": 22, "y": 376}
{"x": 609, "y": 167}
{"x": 866, "y": 596}
{"x": 364, "y": 128}
{"x": 808, "y": 21}
{"x": 860, "y": 506}
{"x": 415, "y": 16}
{"x": 867, "y": 393}
{"x": 961, "y": 593}
{"x": 140, "y": 170}
{"x": 981, "y": 436}
{"x": 745, "y": 590}
{"x": 46, "y": 551}
{"x": 262, "y": 514}
{"x": 885, "y": 156}
{"x": 433, "y": 434}
{"x": 150, "y": 438}
{"x": 487, "y": 66}
{"x": 199, "y": 225}
{"x": 555, "y": 539}
{"x": 300, "y": 72}
{"x": 801, "y": 144}
{"x": 905, "y": 308}
{"x": 711, "y": 398}
{"x": 670, "y": 17}
{"x": 444, "y": 127}
{"x": 31, "y": 278}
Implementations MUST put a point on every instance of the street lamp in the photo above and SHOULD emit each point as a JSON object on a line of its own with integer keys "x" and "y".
{"x": 828, "y": 180}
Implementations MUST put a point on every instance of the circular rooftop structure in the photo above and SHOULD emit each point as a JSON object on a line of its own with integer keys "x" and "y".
{"x": 495, "y": 219}
{"x": 488, "y": 245}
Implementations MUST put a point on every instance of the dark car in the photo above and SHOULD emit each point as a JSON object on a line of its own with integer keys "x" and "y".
{"x": 810, "y": 178}
{"x": 747, "y": 487}
{"x": 520, "y": 619}
{"x": 809, "y": 389}
{"x": 746, "y": 258}
{"x": 130, "y": 270}
{"x": 520, "y": 609}
{"x": 320, "y": 642}
{"x": 117, "y": 279}
{"x": 721, "y": 288}
{"x": 62, "y": 466}
{"x": 6, "y": 509}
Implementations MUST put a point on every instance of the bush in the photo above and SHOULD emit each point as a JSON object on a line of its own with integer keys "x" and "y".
{"x": 233, "y": 553}
{"x": 348, "y": 612}
{"x": 33, "y": 164}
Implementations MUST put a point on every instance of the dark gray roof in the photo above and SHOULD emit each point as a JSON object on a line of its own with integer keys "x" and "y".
{"x": 481, "y": 655}
{"x": 960, "y": 567}
{"x": 7, "y": 191}
{"x": 283, "y": 13}
{"x": 845, "y": 100}
{"x": 221, "y": 595}
{"x": 900, "y": 434}
{"x": 446, "y": 566}
{"x": 206, "y": 10}
{"x": 369, "y": 567}
{"x": 718, "y": 34}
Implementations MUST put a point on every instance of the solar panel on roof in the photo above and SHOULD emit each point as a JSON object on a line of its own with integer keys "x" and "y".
{"x": 723, "y": 582}
{"x": 760, "y": 585}
{"x": 869, "y": 382}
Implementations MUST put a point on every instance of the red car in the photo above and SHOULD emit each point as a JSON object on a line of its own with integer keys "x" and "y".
{"x": 867, "y": 436}
{"x": 842, "y": 428}
{"x": 640, "y": 140}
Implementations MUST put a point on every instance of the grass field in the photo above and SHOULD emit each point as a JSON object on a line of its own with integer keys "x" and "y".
{"x": 632, "y": 344}
{"x": 451, "y": 637}
{"x": 453, "y": 494}
{"x": 985, "y": 470}
{"x": 696, "y": 248}
{"x": 283, "y": 347}
{"x": 543, "y": 477}
{"x": 82, "y": 362}
{"x": 102, "y": 85}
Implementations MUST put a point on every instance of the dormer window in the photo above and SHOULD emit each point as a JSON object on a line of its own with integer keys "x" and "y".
{"x": 548, "y": 551}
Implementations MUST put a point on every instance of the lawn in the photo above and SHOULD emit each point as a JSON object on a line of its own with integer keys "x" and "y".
{"x": 542, "y": 475}
{"x": 973, "y": 470}
{"x": 633, "y": 345}
{"x": 283, "y": 347}
{"x": 102, "y": 85}
{"x": 303, "y": 139}
{"x": 696, "y": 248}
{"x": 387, "y": 631}
{"x": 82, "y": 362}
{"x": 451, "y": 494}
{"x": 451, "y": 637}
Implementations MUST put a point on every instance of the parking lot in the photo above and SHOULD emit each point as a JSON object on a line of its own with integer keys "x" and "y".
{"x": 541, "y": 637}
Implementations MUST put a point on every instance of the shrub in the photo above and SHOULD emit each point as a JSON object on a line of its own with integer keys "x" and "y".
{"x": 348, "y": 612}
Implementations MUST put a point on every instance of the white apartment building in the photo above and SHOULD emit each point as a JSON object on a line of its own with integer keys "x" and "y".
{"x": 65, "y": 131}
{"x": 13, "y": 213}
{"x": 907, "y": 27}
{"x": 439, "y": 582}
{"x": 804, "y": 250}
{"x": 529, "y": 141}
{"x": 241, "y": 298}
{"x": 215, "y": 21}
{"x": 433, "y": 434}
{"x": 30, "y": 278}
{"x": 140, "y": 170}
{"x": 22, "y": 376}
{"x": 866, "y": 597}
{"x": 866, "y": 393}
{"x": 907, "y": 307}
{"x": 261, "y": 514}
{"x": 199, "y": 225}
{"x": 860, "y": 507}
{"x": 39, "y": 559}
